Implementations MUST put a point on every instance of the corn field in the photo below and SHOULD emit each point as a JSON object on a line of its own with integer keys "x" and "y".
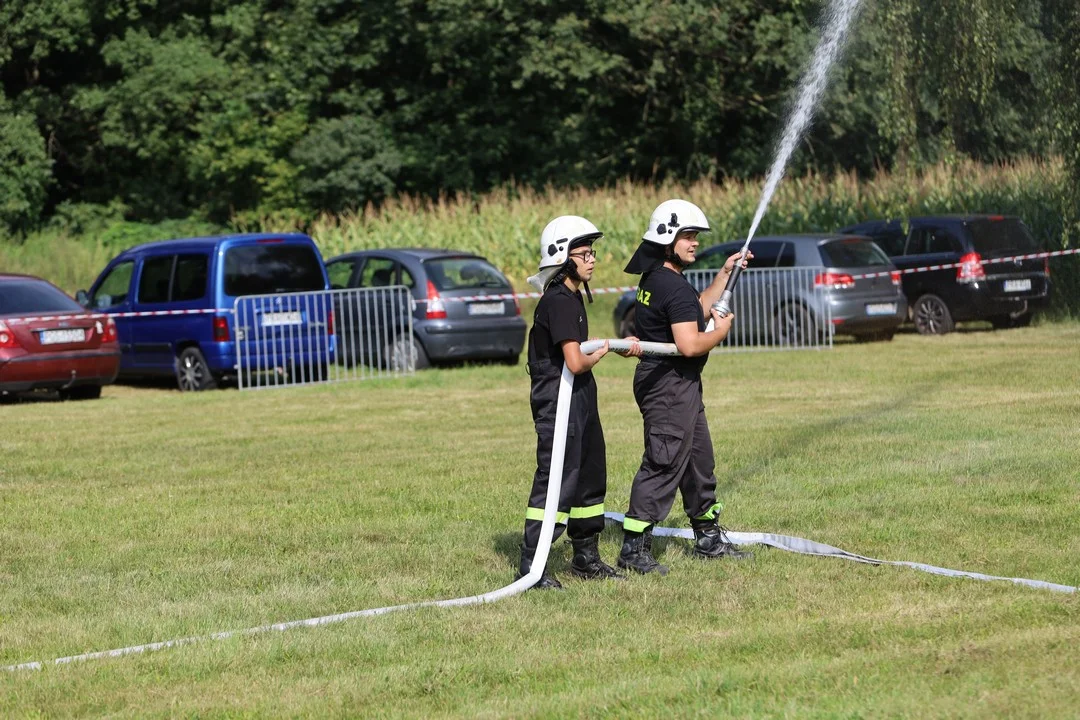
{"x": 505, "y": 225}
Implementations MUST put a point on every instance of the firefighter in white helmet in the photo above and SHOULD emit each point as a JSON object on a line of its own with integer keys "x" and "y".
{"x": 678, "y": 448}
{"x": 560, "y": 325}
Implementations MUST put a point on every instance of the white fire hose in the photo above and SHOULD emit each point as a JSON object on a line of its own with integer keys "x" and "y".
{"x": 547, "y": 530}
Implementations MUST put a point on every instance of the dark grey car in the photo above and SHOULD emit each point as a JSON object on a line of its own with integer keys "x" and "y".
{"x": 452, "y": 317}
{"x": 797, "y": 286}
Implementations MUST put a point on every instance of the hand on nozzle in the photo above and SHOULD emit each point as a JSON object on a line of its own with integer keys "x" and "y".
{"x": 730, "y": 264}
{"x": 635, "y": 348}
{"x": 721, "y": 321}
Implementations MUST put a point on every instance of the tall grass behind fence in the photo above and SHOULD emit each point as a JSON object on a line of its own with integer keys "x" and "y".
{"x": 505, "y": 225}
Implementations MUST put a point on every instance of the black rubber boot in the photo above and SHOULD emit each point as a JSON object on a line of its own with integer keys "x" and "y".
{"x": 637, "y": 555}
{"x": 710, "y": 541}
{"x": 587, "y": 563}
{"x": 546, "y": 582}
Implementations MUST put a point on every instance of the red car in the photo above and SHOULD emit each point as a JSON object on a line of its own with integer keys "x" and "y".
{"x": 49, "y": 341}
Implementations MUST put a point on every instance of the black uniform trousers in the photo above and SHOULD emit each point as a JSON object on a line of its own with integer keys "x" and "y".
{"x": 584, "y": 483}
{"x": 678, "y": 448}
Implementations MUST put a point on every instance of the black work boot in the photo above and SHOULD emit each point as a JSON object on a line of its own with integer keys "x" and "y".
{"x": 587, "y": 563}
{"x": 546, "y": 582}
{"x": 636, "y": 553}
{"x": 711, "y": 541}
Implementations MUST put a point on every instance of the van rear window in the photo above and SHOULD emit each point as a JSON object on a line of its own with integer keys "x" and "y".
{"x": 852, "y": 253}
{"x": 997, "y": 236}
{"x": 464, "y": 274}
{"x": 271, "y": 269}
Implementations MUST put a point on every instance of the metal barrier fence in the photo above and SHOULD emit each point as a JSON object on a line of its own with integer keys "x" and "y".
{"x": 775, "y": 309}
{"x": 325, "y": 336}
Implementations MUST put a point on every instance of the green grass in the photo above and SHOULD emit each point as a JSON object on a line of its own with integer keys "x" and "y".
{"x": 151, "y": 515}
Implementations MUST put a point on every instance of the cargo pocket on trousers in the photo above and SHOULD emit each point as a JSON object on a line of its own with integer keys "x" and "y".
{"x": 664, "y": 444}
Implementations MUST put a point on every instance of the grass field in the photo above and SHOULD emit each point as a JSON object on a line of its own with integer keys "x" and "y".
{"x": 151, "y": 515}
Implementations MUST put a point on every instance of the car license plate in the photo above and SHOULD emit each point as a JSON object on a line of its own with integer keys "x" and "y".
{"x": 881, "y": 309}
{"x": 56, "y": 337}
{"x": 277, "y": 319}
{"x": 1018, "y": 285}
{"x": 495, "y": 308}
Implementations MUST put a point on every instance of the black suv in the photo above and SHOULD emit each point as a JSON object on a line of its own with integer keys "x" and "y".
{"x": 1004, "y": 293}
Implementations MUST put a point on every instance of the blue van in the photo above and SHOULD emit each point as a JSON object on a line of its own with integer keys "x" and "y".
{"x": 173, "y": 302}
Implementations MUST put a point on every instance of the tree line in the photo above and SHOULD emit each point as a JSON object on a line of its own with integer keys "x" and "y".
{"x": 210, "y": 108}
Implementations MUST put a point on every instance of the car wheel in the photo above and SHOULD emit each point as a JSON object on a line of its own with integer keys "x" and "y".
{"x": 931, "y": 316}
{"x": 628, "y": 324}
{"x": 793, "y": 325}
{"x": 192, "y": 372}
{"x": 405, "y": 354}
{"x": 83, "y": 392}
{"x": 1005, "y": 322}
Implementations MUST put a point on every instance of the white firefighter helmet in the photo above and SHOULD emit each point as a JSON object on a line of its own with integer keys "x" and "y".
{"x": 672, "y": 217}
{"x": 560, "y": 235}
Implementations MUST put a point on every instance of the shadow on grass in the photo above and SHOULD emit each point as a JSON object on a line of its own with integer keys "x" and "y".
{"x": 804, "y": 437}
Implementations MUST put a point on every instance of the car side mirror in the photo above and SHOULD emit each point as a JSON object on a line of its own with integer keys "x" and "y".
{"x": 82, "y": 298}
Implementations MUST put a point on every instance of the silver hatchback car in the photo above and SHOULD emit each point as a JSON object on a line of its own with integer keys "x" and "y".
{"x": 801, "y": 288}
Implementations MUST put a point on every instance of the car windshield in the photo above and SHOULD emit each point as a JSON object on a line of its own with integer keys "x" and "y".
{"x": 271, "y": 269}
{"x": 468, "y": 273}
{"x": 851, "y": 253}
{"x": 20, "y": 297}
{"x": 996, "y": 236}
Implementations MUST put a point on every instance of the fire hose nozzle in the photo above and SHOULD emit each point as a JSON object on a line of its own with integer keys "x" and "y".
{"x": 723, "y": 305}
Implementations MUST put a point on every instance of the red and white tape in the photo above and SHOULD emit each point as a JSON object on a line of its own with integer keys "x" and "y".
{"x": 991, "y": 261}
{"x": 535, "y": 295}
{"x": 100, "y": 316}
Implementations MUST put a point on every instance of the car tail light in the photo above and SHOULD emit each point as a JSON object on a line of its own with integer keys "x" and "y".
{"x": 221, "y": 328}
{"x": 834, "y": 281}
{"x": 517, "y": 306}
{"x": 436, "y": 308}
{"x": 895, "y": 275}
{"x": 996, "y": 218}
{"x": 7, "y": 338}
{"x": 971, "y": 269}
{"x": 1046, "y": 266}
{"x": 269, "y": 241}
{"x": 330, "y": 322}
{"x": 111, "y": 335}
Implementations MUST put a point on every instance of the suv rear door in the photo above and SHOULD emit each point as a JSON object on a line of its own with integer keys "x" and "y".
{"x": 998, "y": 237}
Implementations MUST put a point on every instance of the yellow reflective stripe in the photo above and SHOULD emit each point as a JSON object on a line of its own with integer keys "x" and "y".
{"x": 538, "y": 515}
{"x": 713, "y": 512}
{"x": 587, "y": 512}
{"x": 635, "y": 525}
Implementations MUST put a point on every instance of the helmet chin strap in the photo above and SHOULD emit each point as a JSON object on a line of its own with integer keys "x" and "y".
{"x": 673, "y": 257}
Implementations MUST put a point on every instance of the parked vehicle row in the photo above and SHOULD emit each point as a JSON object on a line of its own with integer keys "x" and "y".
{"x": 971, "y": 286}
{"x": 166, "y": 308}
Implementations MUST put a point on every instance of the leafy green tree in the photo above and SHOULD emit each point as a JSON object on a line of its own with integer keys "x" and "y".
{"x": 25, "y": 170}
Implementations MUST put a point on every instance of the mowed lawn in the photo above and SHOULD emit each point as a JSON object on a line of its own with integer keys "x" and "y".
{"x": 151, "y": 515}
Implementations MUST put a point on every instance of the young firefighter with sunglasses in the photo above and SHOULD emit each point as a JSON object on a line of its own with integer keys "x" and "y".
{"x": 560, "y": 326}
